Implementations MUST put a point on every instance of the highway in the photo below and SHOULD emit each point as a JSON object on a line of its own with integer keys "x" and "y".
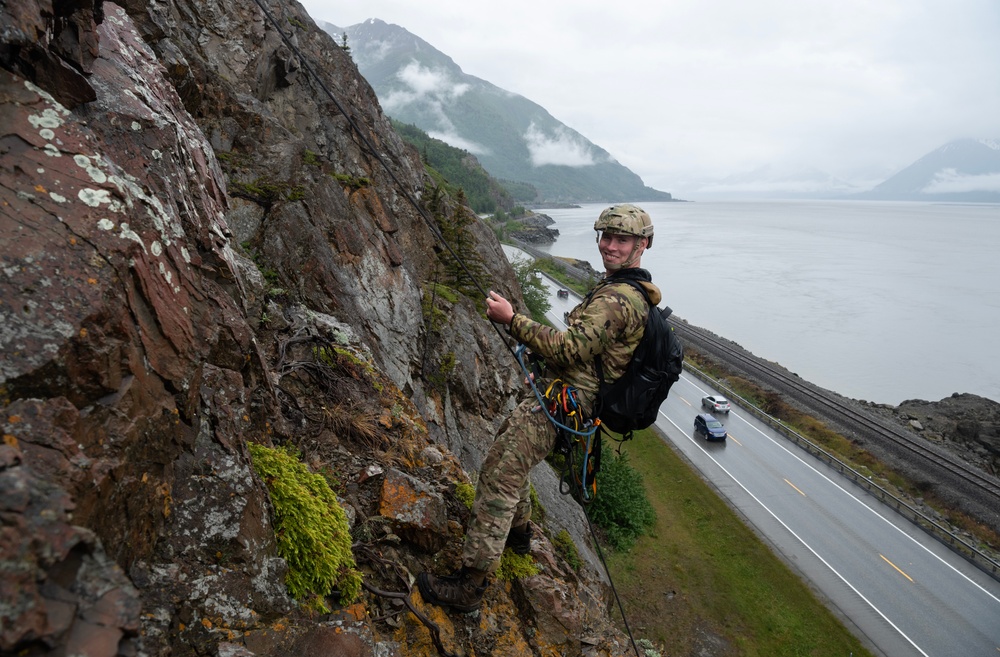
{"x": 894, "y": 586}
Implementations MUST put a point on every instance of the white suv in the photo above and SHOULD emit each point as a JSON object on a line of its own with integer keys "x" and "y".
{"x": 715, "y": 404}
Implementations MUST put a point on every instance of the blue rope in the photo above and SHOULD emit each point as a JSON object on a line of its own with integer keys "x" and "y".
{"x": 584, "y": 495}
{"x": 541, "y": 400}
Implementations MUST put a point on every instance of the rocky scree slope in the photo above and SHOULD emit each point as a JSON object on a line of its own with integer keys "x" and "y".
{"x": 198, "y": 252}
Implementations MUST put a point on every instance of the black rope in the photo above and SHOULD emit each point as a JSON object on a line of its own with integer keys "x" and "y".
{"x": 597, "y": 545}
{"x": 437, "y": 233}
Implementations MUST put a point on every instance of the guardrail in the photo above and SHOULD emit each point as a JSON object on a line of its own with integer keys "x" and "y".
{"x": 945, "y": 535}
{"x": 575, "y": 273}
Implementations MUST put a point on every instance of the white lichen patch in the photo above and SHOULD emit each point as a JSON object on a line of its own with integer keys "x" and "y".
{"x": 129, "y": 234}
{"x": 94, "y": 197}
{"x": 92, "y": 169}
{"x": 156, "y": 249}
{"x": 157, "y": 154}
{"x": 105, "y": 224}
{"x": 51, "y": 150}
{"x": 46, "y": 134}
{"x": 47, "y": 97}
{"x": 167, "y": 275}
{"x": 49, "y": 118}
{"x": 136, "y": 126}
{"x": 164, "y": 222}
{"x": 209, "y": 591}
{"x": 186, "y": 255}
{"x": 58, "y": 198}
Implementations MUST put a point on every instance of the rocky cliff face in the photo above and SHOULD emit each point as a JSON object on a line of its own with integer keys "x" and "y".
{"x": 207, "y": 240}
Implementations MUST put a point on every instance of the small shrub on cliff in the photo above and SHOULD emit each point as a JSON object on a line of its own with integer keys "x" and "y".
{"x": 536, "y": 296}
{"x": 621, "y": 508}
{"x": 313, "y": 535}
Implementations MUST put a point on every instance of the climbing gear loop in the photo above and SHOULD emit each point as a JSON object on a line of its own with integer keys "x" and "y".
{"x": 577, "y": 437}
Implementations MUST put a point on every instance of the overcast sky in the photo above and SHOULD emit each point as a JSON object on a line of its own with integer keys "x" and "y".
{"x": 683, "y": 91}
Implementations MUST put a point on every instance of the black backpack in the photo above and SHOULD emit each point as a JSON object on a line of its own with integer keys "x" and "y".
{"x": 633, "y": 401}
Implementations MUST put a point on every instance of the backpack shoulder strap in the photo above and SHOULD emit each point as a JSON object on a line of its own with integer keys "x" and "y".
{"x": 598, "y": 364}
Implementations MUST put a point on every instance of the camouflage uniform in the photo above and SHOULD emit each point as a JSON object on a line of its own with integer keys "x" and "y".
{"x": 609, "y": 322}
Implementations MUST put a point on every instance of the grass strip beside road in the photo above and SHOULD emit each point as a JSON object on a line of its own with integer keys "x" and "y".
{"x": 702, "y": 580}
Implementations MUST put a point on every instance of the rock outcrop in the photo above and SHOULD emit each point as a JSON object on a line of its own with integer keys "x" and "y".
{"x": 966, "y": 424}
{"x": 207, "y": 239}
{"x": 535, "y": 229}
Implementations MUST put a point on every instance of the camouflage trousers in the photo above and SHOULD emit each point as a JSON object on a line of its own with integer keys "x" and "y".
{"x": 503, "y": 493}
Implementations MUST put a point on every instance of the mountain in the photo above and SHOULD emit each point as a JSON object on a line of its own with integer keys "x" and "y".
{"x": 513, "y": 138}
{"x": 963, "y": 170}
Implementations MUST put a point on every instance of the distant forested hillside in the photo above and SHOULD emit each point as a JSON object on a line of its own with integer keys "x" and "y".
{"x": 455, "y": 168}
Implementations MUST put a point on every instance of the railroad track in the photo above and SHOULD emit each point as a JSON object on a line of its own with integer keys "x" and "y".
{"x": 966, "y": 479}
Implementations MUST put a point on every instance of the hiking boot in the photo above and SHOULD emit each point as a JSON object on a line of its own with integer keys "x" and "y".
{"x": 458, "y": 591}
{"x": 519, "y": 539}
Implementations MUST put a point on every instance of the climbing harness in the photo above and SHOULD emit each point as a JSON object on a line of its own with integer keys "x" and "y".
{"x": 578, "y": 438}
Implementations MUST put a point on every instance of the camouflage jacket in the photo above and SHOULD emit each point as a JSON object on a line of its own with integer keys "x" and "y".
{"x": 609, "y": 322}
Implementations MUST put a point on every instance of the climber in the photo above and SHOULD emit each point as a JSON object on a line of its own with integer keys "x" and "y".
{"x": 609, "y": 322}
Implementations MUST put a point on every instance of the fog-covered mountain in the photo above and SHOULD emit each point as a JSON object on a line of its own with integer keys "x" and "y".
{"x": 963, "y": 170}
{"x": 513, "y": 138}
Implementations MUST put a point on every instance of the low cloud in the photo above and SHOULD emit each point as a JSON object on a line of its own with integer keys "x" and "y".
{"x": 428, "y": 82}
{"x": 452, "y": 138}
{"x": 433, "y": 90}
{"x": 561, "y": 148}
{"x": 950, "y": 181}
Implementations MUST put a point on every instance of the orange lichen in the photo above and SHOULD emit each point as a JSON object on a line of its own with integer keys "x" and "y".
{"x": 357, "y": 611}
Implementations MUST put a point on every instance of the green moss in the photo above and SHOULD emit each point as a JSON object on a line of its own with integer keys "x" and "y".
{"x": 466, "y": 493}
{"x": 351, "y": 181}
{"x": 516, "y": 566}
{"x": 311, "y": 159}
{"x": 266, "y": 192}
{"x": 565, "y": 546}
{"x": 434, "y": 294}
{"x": 311, "y": 528}
{"x": 260, "y": 190}
{"x": 537, "y": 510}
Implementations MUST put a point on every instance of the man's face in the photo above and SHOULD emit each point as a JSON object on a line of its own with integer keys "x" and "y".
{"x": 616, "y": 249}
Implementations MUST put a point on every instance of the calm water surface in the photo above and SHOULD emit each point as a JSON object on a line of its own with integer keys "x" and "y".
{"x": 875, "y": 300}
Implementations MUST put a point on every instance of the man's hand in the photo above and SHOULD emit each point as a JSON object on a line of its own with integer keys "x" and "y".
{"x": 499, "y": 309}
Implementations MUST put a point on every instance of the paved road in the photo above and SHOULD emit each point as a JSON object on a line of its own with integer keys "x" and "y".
{"x": 896, "y": 587}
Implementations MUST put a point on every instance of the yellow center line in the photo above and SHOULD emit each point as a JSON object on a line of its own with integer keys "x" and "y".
{"x": 685, "y": 401}
{"x": 896, "y": 567}
{"x": 795, "y": 487}
{"x": 733, "y": 439}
